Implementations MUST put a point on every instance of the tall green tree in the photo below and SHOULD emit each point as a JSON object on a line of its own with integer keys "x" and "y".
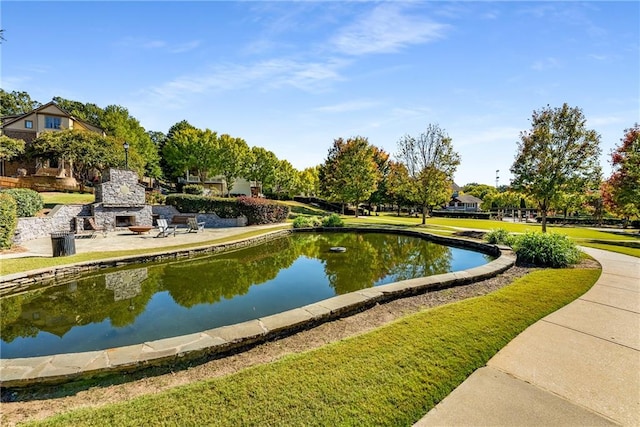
{"x": 558, "y": 154}
{"x": 398, "y": 185}
{"x": 431, "y": 162}
{"x": 379, "y": 196}
{"x": 309, "y": 183}
{"x": 286, "y": 179}
{"x": 479, "y": 190}
{"x": 350, "y": 173}
{"x": 10, "y": 148}
{"x": 622, "y": 194}
{"x": 232, "y": 157}
{"x": 16, "y": 102}
{"x": 192, "y": 150}
{"x": 168, "y": 169}
{"x": 84, "y": 150}
{"x": 261, "y": 167}
{"x": 88, "y": 112}
{"x": 116, "y": 121}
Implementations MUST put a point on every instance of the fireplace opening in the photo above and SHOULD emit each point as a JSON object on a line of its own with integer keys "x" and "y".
{"x": 125, "y": 221}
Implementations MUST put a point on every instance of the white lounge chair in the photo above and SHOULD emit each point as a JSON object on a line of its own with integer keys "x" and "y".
{"x": 194, "y": 225}
{"x": 165, "y": 229}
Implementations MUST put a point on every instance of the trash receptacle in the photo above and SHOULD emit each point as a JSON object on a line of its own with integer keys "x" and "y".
{"x": 63, "y": 243}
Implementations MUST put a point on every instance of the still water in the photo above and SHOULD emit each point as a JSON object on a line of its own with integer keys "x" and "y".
{"x": 135, "y": 304}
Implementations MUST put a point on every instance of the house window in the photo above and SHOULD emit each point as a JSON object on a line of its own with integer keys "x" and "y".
{"x": 28, "y": 124}
{"x": 52, "y": 122}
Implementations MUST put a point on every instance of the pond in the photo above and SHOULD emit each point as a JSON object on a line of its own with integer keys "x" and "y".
{"x": 130, "y": 305}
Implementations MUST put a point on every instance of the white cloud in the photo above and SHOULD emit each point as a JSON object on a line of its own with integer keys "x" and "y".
{"x": 265, "y": 75}
{"x": 546, "y": 64}
{"x": 598, "y": 57}
{"x": 184, "y": 47}
{"x": 387, "y": 28}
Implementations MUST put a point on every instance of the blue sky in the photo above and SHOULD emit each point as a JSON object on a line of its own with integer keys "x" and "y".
{"x": 293, "y": 76}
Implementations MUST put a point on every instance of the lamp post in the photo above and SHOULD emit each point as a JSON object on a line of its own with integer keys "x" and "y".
{"x": 126, "y": 155}
{"x": 497, "y": 177}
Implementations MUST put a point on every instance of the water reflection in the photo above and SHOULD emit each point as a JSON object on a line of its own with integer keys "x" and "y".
{"x": 130, "y": 305}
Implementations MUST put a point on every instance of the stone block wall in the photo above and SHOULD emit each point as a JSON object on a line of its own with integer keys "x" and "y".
{"x": 120, "y": 188}
{"x": 106, "y": 216}
{"x": 211, "y": 220}
{"x": 61, "y": 218}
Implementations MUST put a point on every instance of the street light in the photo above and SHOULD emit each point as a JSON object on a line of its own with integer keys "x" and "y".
{"x": 497, "y": 177}
{"x": 126, "y": 155}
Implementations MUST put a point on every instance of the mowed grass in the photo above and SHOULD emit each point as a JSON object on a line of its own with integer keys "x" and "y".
{"x": 389, "y": 377}
{"x": 614, "y": 240}
{"x": 52, "y": 198}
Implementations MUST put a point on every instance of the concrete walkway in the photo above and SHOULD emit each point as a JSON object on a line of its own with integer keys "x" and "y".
{"x": 579, "y": 366}
{"x": 126, "y": 240}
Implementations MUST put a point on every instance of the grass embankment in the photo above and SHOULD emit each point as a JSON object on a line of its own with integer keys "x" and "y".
{"x": 16, "y": 265}
{"x": 391, "y": 376}
{"x": 51, "y": 198}
{"x": 614, "y": 240}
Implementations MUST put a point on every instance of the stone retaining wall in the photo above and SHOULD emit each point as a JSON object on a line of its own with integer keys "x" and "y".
{"x": 61, "y": 218}
{"x": 224, "y": 340}
{"x": 211, "y": 220}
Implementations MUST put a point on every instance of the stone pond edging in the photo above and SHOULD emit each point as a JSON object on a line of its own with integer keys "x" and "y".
{"x": 59, "y": 368}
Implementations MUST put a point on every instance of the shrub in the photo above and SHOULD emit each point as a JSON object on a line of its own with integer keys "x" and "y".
{"x": 262, "y": 211}
{"x": 499, "y": 236}
{"x": 193, "y": 189}
{"x": 306, "y": 222}
{"x": 154, "y": 198}
{"x": 8, "y": 220}
{"x": 191, "y": 203}
{"x": 28, "y": 202}
{"x": 257, "y": 211}
{"x": 333, "y": 220}
{"x": 546, "y": 249}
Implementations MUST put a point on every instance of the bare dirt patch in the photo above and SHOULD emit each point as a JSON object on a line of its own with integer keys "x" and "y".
{"x": 32, "y": 404}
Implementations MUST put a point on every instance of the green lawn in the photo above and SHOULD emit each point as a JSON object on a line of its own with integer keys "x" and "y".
{"x": 304, "y": 209}
{"x": 614, "y": 240}
{"x": 52, "y": 198}
{"x": 389, "y": 377}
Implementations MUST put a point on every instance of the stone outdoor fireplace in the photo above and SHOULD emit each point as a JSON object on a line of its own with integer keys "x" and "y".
{"x": 120, "y": 201}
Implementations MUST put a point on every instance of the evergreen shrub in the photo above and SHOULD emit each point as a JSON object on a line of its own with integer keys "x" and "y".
{"x": 8, "y": 220}
{"x": 28, "y": 202}
{"x": 257, "y": 211}
{"x": 499, "y": 236}
{"x": 306, "y": 222}
{"x": 333, "y": 220}
{"x": 193, "y": 189}
{"x": 546, "y": 249}
{"x": 191, "y": 203}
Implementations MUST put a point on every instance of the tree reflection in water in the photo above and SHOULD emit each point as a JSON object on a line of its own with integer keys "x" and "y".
{"x": 218, "y": 282}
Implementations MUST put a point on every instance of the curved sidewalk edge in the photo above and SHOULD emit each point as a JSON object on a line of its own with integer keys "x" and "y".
{"x": 577, "y": 366}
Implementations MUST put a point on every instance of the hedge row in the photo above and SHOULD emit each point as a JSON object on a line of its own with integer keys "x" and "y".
{"x": 28, "y": 202}
{"x": 257, "y": 211}
{"x": 262, "y": 211}
{"x": 8, "y": 220}
{"x": 191, "y": 203}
